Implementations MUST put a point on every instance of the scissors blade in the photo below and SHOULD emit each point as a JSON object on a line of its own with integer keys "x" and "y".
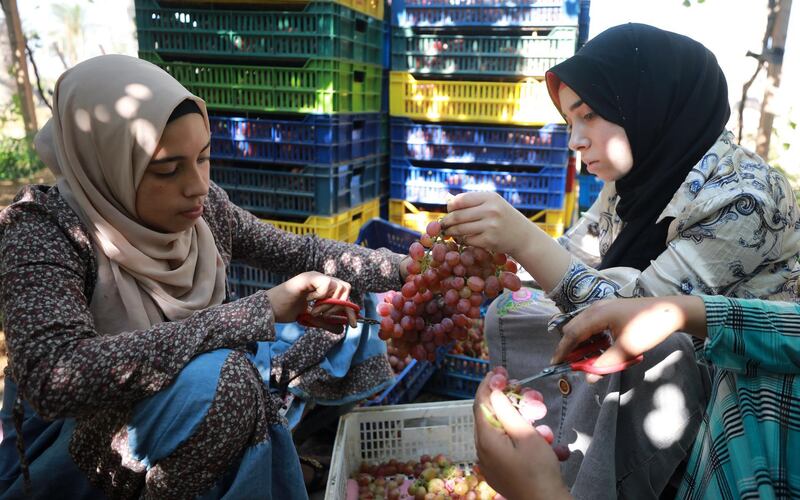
{"x": 368, "y": 321}
{"x": 550, "y": 370}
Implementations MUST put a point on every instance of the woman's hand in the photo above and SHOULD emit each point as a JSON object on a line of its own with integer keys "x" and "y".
{"x": 486, "y": 220}
{"x": 517, "y": 461}
{"x": 292, "y": 297}
{"x": 637, "y": 325}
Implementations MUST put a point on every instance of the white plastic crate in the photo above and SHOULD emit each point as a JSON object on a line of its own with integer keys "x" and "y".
{"x": 403, "y": 432}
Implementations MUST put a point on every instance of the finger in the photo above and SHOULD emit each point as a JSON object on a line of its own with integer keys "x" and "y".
{"x": 462, "y": 216}
{"x": 482, "y": 397}
{"x": 515, "y": 426}
{"x": 465, "y": 200}
{"x": 322, "y": 288}
{"x": 579, "y": 329}
{"x": 467, "y": 228}
{"x": 351, "y": 317}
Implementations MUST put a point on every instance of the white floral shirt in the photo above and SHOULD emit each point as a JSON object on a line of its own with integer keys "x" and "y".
{"x": 734, "y": 233}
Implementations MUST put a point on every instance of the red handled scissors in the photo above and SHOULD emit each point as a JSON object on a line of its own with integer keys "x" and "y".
{"x": 306, "y": 319}
{"x": 583, "y": 358}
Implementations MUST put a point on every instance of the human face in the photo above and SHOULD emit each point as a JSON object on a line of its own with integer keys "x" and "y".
{"x": 170, "y": 196}
{"x": 603, "y": 145}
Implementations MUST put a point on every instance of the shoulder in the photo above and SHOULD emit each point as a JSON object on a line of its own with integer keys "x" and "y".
{"x": 219, "y": 215}
{"x": 40, "y": 221}
{"x": 730, "y": 174}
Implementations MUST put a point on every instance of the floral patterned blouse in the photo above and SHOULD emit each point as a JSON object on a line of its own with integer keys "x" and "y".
{"x": 64, "y": 368}
{"x": 734, "y": 233}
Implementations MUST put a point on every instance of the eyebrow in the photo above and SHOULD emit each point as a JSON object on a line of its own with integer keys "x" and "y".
{"x": 176, "y": 158}
{"x": 576, "y": 104}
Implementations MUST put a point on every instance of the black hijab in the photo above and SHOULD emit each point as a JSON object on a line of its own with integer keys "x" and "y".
{"x": 669, "y": 94}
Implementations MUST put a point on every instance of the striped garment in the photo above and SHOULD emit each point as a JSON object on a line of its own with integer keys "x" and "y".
{"x": 749, "y": 443}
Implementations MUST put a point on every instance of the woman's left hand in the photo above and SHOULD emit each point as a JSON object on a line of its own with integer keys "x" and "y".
{"x": 517, "y": 461}
{"x": 486, "y": 220}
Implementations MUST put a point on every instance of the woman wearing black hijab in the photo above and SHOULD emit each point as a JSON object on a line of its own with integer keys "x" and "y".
{"x": 684, "y": 210}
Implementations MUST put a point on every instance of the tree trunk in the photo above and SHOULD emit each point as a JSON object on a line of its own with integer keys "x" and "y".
{"x": 17, "y": 41}
{"x": 774, "y": 60}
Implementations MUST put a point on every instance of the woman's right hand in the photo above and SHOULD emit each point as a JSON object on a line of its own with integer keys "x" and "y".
{"x": 637, "y": 325}
{"x": 291, "y": 297}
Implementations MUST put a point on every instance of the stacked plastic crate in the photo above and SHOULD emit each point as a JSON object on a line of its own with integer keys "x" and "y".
{"x": 470, "y": 110}
{"x": 294, "y": 96}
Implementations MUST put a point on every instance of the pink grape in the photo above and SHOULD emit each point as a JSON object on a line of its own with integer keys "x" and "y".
{"x": 498, "y": 382}
{"x": 546, "y": 432}
{"x": 416, "y": 251}
{"x": 529, "y": 394}
{"x": 434, "y": 228}
{"x": 562, "y": 452}
{"x": 532, "y": 410}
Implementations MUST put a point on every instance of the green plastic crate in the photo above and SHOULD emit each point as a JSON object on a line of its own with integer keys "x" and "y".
{"x": 469, "y": 54}
{"x": 319, "y": 30}
{"x": 319, "y": 86}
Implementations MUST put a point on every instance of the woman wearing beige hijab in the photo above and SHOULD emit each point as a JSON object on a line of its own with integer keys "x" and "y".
{"x": 131, "y": 374}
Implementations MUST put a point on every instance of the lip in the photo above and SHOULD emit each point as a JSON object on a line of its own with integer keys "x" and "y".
{"x": 193, "y": 213}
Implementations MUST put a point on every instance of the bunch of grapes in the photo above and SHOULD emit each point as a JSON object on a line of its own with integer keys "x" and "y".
{"x": 474, "y": 345}
{"x": 530, "y": 404}
{"x": 430, "y": 478}
{"x": 397, "y": 362}
{"x": 447, "y": 283}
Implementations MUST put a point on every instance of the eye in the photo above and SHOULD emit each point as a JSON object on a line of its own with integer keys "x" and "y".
{"x": 588, "y": 116}
{"x": 165, "y": 174}
{"x": 203, "y": 159}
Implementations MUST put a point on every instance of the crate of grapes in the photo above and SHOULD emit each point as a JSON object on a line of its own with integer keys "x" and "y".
{"x": 400, "y": 433}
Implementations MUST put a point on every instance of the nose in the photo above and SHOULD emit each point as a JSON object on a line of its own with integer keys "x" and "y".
{"x": 197, "y": 182}
{"x": 577, "y": 139}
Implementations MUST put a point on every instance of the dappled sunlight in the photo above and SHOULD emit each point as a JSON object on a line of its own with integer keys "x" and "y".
{"x": 667, "y": 422}
{"x": 664, "y": 370}
{"x": 145, "y": 134}
{"x": 139, "y": 91}
{"x": 581, "y": 442}
{"x": 127, "y": 106}
{"x": 102, "y": 114}
{"x": 83, "y": 120}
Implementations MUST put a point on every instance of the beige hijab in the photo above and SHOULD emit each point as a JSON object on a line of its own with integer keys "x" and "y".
{"x": 108, "y": 116}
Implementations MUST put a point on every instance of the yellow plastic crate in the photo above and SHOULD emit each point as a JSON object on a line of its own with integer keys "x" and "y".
{"x": 521, "y": 103}
{"x": 372, "y": 8}
{"x": 344, "y": 226}
{"x": 407, "y": 215}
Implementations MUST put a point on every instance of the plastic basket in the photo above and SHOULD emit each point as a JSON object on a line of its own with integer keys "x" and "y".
{"x": 379, "y": 233}
{"x": 372, "y": 8}
{"x": 457, "y": 376}
{"x": 318, "y": 139}
{"x": 525, "y": 190}
{"x": 406, "y": 214}
{"x": 406, "y": 386}
{"x": 295, "y": 191}
{"x": 485, "y": 13}
{"x": 523, "y": 103}
{"x": 320, "y": 86}
{"x": 465, "y": 54}
{"x": 480, "y": 144}
{"x": 320, "y": 30}
{"x": 402, "y": 432}
{"x": 589, "y": 188}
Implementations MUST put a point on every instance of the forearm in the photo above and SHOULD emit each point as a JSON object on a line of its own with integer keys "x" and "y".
{"x": 542, "y": 257}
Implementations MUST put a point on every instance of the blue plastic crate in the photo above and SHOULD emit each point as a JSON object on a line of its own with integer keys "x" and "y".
{"x": 457, "y": 376}
{"x": 245, "y": 280}
{"x": 299, "y": 191}
{"x": 378, "y": 233}
{"x": 318, "y": 139}
{"x": 526, "y": 190}
{"x": 406, "y": 386}
{"x": 589, "y": 188}
{"x": 476, "y": 144}
{"x": 485, "y": 13}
